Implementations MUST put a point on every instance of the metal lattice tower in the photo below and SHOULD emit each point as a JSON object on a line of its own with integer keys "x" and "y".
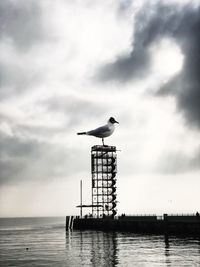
{"x": 104, "y": 169}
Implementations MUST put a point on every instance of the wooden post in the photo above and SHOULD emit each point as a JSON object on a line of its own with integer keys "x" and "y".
{"x": 81, "y": 199}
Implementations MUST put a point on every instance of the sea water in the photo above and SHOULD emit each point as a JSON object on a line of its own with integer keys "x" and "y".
{"x": 44, "y": 242}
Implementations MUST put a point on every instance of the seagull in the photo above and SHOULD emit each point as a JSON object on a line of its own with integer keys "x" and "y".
{"x": 103, "y": 131}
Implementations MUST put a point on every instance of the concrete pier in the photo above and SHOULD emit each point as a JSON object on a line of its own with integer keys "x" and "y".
{"x": 167, "y": 224}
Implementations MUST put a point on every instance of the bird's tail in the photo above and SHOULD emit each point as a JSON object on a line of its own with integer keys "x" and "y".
{"x": 81, "y": 133}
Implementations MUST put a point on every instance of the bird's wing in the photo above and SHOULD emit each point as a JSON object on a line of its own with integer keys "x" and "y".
{"x": 99, "y": 132}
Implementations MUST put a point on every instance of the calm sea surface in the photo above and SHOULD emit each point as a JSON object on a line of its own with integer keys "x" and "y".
{"x": 44, "y": 242}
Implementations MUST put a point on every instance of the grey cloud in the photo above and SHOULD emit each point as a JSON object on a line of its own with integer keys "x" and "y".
{"x": 21, "y": 27}
{"x": 75, "y": 109}
{"x": 178, "y": 162}
{"x": 180, "y": 23}
{"x": 21, "y": 22}
{"x": 14, "y": 80}
{"x": 40, "y": 131}
{"x": 30, "y": 160}
{"x": 15, "y": 157}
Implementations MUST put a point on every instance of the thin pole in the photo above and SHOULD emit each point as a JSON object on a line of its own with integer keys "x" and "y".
{"x": 81, "y": 198}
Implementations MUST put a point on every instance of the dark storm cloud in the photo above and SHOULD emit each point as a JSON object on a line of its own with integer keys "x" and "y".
{"x": 187, "y": 94}
{"x": 186, "y": 86}
{"x": 148, "y": 27}
{"x": 131, "y": 66}
{"x": 20, "y": 22}
{"x": 31, "y": 160}
{"x": 153, "y": 23}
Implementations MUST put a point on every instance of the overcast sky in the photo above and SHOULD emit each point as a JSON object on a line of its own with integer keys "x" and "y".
{"x": 67, "y": 66}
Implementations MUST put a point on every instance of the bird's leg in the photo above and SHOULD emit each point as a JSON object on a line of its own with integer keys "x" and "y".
{"x": 103, "y": 141}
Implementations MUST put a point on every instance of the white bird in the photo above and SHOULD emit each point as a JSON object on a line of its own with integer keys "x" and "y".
{"x": 103, "y": 131}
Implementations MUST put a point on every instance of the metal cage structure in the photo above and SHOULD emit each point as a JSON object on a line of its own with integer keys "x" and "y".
{"x": 104, "y": 170}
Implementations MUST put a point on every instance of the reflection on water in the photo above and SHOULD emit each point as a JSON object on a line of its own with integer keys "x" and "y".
{"x": 93, "y": 248}
{"x": 96, "y": 248}
{"x": 167, "y": 251}
{"x": 182, "y": 251}
{"x": 104, "y": 249}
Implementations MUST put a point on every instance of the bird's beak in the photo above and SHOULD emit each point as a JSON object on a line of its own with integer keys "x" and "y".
{"x": 116, "y": 122}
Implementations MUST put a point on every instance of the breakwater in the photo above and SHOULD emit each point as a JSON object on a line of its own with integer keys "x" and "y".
{"x": 166, "y": 224}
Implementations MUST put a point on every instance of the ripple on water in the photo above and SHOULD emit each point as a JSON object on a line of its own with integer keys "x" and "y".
{"x": 50, "y": 245}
